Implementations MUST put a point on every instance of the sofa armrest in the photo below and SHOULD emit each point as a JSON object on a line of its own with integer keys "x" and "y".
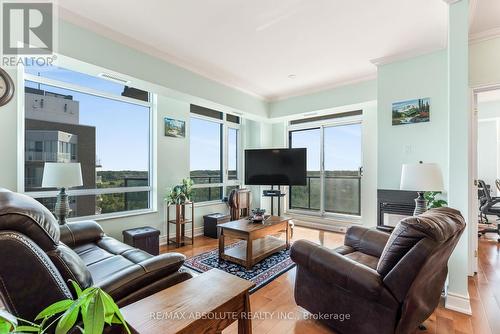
{"x": 336, "y": 269}
{"x": 77, "y": 233}
{"x": 366, "y": 240}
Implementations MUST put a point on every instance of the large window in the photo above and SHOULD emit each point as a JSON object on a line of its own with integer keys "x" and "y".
{"x": 214, "y": 154}
{"x": 334, "y": 160}
{"x": 103, "y": 125}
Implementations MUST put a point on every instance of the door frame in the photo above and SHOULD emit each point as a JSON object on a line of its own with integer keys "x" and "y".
{"x": 358, "y": 119}
{"x": 473, "y": 176}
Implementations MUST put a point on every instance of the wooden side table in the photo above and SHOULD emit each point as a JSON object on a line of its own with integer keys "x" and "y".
{"x": 207, "y": 303}
{"x": 180, "y": 222}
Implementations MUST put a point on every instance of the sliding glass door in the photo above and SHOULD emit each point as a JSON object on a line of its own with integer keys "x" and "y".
{"x": 334, "y": 160}
{"x": 308, "y": 197}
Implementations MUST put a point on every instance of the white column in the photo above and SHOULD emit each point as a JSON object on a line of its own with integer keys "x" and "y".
{"x": 458, "y": 192}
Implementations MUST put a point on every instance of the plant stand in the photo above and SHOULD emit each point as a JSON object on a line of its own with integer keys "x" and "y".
{"x": 180, "y": 222}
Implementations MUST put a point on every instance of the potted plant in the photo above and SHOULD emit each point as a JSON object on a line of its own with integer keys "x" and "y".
{"x": 93, "y": 306}
{"x": 432, "y": 201}
{"x": 180, "y": 194}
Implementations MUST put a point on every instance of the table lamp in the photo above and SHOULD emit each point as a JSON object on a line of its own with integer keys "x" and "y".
{"x": 421, "y": 177}
{"x": 62, "y": 176}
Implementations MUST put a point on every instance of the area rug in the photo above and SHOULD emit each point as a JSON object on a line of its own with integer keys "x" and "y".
{"x": 261, "y": 273}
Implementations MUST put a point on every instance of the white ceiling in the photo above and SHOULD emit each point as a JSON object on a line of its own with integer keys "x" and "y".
{"x": 256, "y": 45}
{"x": 485, "y": 17}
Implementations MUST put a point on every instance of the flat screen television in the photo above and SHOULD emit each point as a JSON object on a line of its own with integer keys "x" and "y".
{"x": 276, "y": 167}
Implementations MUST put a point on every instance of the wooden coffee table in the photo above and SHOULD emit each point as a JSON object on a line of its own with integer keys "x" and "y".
{"x": 207, "y": 303}
{"x": 259, "y": 240}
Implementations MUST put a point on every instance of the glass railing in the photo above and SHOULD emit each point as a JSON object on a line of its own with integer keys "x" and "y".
{"x": 342, "y": 194}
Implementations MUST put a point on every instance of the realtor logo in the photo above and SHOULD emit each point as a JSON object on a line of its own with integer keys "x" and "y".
{"x": 27, "y": 28}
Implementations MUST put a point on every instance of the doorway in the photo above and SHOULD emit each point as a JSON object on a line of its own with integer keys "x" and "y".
{"x": 485, "y": 168}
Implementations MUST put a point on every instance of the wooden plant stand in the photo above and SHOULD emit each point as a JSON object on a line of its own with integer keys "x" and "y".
{"x": 180, "y": 222}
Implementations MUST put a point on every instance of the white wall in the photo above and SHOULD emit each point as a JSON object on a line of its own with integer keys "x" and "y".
{"x": 487, "y": 153}
{"x": 370, "y": 166}
{"x": 488, "y": 143}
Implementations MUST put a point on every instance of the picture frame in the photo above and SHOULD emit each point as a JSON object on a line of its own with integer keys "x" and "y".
{"x": 411, "y": 111}
{"x": 175, "y": 128}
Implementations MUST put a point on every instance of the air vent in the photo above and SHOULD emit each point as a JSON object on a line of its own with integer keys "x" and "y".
{"x": 114, "y": 78}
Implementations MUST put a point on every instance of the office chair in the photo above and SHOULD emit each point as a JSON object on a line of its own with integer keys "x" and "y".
{"x": 487, "y": 206}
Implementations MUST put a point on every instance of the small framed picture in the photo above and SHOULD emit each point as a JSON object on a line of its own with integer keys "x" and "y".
{"x": 175, "y": 128}
{"x": 411, "y": 111}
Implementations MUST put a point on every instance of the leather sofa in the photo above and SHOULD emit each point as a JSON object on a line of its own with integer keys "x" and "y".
{"x": 376, "y": 282}
{"x": 39, "y": 257}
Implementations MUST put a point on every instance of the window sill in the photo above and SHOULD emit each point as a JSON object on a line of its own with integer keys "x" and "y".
{"x": 114, "y": 215}
{"x": 209, "y": 203}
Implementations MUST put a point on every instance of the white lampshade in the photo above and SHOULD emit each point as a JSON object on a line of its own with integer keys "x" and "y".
{"x": 62, "y": 175}
{"x": 421, "y": 177}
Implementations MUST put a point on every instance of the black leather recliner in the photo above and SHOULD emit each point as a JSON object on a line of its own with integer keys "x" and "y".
{"x": 39, "y": 257}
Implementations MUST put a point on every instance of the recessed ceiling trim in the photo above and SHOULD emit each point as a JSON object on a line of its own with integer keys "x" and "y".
{"x": 132, "y": 43}
{"x": 405, "y": 55}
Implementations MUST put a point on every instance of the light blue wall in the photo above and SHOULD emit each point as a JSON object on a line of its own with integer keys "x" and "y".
{"x": 420, "y": 77}
{"x": 337, "y": 97}
{"x": 484, "y": 67}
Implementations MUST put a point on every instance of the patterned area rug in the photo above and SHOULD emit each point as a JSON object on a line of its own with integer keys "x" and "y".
{"x": 261, "y": 273}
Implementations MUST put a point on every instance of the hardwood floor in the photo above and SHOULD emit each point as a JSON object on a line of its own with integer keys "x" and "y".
{"x": 277, "y": 297}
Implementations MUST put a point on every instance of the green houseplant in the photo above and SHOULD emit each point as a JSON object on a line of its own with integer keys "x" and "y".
{"x": 93, "y": 306}
{"x": 432, "y": 201}
{"x": 181, "y": 193}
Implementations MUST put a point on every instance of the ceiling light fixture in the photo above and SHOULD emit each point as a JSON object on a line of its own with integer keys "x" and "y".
{"x": 292, "y": 76}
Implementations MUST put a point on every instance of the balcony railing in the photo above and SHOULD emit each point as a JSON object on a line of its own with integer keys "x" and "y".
{"x": 342, "y": 194}
{"x": 209, "y": 193}
{"x": 48, "y": 156}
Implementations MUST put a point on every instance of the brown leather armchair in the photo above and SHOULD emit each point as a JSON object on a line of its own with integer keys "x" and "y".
{"x": 38, "y": 258}
{"x": 384, "y": 283}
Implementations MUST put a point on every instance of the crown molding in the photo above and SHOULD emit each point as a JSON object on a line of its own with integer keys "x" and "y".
{"x": 99, "y": 29}
{"x": 405, "y": 55}
{"x": 484, "y": 35}
{"x": 322, "y": 88}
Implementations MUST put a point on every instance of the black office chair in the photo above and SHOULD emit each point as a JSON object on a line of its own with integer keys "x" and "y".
{"x": 487, "y": 206}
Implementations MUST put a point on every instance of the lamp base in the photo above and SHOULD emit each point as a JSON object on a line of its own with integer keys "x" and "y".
{"x": 420, "y": 204}
{"x": 62, "y": 209}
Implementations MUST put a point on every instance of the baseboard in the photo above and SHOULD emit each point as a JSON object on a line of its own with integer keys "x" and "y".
{"x": 197, "y": 232}
{"x": 333, "y": 227}
{"x": 459, "y": 303}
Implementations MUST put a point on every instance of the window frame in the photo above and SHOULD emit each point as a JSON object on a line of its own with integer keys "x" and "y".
{"x": 322, "y": 124}
{"x": 151, "y": 104}
{"x": 224, "y": 154}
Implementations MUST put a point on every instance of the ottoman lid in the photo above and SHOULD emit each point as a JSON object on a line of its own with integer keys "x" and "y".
{"x": 141, "y": 231}
{"x": 216, "y": 215}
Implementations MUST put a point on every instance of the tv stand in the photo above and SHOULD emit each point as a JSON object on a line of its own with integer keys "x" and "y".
{"x": 274, "y": 193}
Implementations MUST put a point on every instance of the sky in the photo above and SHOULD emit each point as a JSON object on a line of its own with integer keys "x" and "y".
{"x": 342, "y": 147}
{"x": 122, "y": 129}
